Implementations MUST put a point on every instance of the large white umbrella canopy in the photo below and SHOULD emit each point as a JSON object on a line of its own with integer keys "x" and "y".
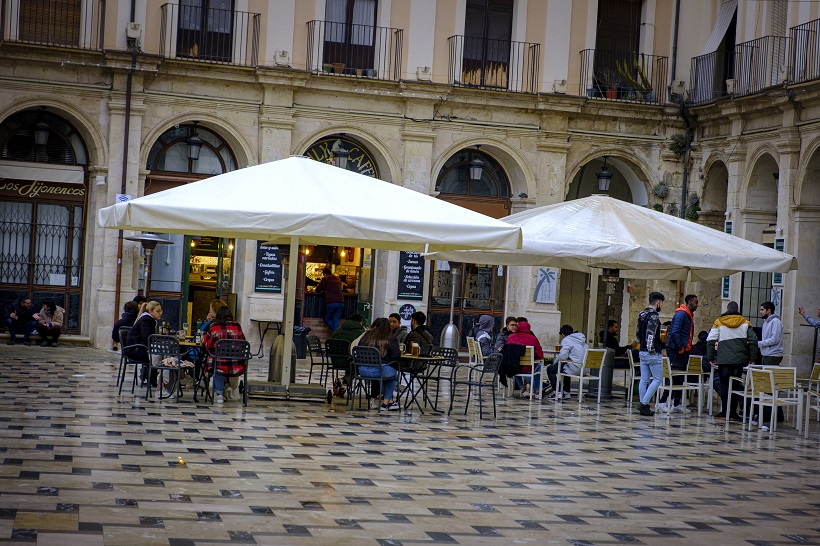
{"x": 316, "y": 202}
{"x": 301, "y": 201}
{"x": 599, "y": 232}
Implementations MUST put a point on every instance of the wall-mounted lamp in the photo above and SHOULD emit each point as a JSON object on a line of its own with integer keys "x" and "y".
{"x": 194, "y": 144}
{"x": 604, "y": 177}
{"x": 340, "y": 153}
{"x": 476, "y": 166}
{"x": 776, "y": 176}
{"x": 41, "y": 131}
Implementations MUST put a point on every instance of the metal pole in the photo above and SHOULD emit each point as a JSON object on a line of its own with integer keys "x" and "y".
{"x": 450, "y": 336}
{"x": 149, "y": 254}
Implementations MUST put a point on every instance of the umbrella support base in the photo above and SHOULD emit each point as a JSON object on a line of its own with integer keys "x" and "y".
{"x": 295, "y": 391}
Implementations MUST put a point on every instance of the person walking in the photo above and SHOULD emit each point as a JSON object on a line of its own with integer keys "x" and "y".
{"x": 648, "y": 333}
{"x": 678, "y": 347}
{"x": 737, "y": 348}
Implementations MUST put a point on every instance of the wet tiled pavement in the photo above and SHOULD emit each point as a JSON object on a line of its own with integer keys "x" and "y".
{"x": 82, "y": 465}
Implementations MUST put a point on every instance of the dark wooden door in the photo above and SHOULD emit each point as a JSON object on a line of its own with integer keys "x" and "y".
{"x": 205, "y": 29}
{"x": 487, "y": 43}
{"x": 350, "y": 35}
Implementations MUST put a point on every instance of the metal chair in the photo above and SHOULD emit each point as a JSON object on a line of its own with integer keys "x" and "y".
{"x": 124, "y": 360}
{"x": 337, "y": 354}
{"x": 767, "y": 389}
{"x": 685, "y": 387}
{"x": 364, "y": 356}
{"x": 812, "y": 397}
{"x": 233, "y": 353}
{"x": 448, "y": 365}
{"x": 159, "y": 348}
{"x": 317, "y": 357}
{"x": 482, "y": 376}
{"x": 593, "y": 360}
{"x": 634, "y": 376}
{"x": 527, "y": 360}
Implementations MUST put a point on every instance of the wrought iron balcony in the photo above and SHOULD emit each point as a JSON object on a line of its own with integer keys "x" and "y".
{"x": 209, "y": 35}
{"x": 804, "y": 52}
{"x": 624, "y": 76}
{"x": 75, "y": 24}
{"x": 494, "y": 64}
{"x": 363, "y": 51}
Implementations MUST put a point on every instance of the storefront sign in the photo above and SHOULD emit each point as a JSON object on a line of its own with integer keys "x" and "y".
{"x": 268, "y": 268}
{"x": 411, "y": 276}
{"x": 37, "y": 190}
{"x": 778, "y": 278}
{"x": 359, "y": 159}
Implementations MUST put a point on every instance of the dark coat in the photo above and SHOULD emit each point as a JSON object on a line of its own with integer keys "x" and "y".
{"x": 422, "y": 335}
{"x": 127, "y": 319}
{"x": 143, "y": 328}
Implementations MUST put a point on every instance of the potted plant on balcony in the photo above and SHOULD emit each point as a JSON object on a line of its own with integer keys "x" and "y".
{"x": 609, "y": 81}
{"x": 634, "y": 73}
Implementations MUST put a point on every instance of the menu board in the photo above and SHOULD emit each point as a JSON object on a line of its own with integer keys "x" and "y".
{"x": 411, "y": 276}
{"x": 268, "y": 268}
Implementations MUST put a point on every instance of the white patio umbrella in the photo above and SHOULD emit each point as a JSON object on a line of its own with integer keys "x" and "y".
{"x": 301, "y": 201}
{"x": 599, "y": 232}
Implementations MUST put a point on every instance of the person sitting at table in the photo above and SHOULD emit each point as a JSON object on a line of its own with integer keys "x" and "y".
{"x": 213, "y": 307}
{"x": 611, "y": 341}
{"x": 420, "y": 333}
{"x": 143, "y": 328}
{"x": 350, "y": 329}
{"x": 379, "y": 336}
{"x": 129, "y": 315}
{"x": 398, "y": 330}
{"x": 511, "y": 325}
{"x": 483, "y": 334}
{"x": 49, "y": 323}
{"x": 224, "y": 327}
{"x": 573, "y": 349}
{"x": 524, "y": 336}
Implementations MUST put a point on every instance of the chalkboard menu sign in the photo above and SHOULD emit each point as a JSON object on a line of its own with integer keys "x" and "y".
{"x": 268, "y": 268}
{"x": 411, "y": 276}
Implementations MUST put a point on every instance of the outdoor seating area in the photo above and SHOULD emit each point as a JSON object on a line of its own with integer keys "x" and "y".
{"x": 85, "y": 464}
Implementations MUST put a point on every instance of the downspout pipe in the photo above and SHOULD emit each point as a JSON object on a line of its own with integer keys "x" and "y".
{"x": 129, "y": 82}
{"x": 673, "y": 71}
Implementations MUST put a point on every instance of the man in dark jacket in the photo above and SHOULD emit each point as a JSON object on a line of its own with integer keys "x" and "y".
{"x": 678, "y": 347}
{"x": 331, "y": 286}
{"x": 510, "y": 326}
{"x": 648, "y": 332}
{"x": 420, "y": 333}
{"x": 20, "y": 318}
{"x": 737, "y": 347}
{"x": 350, "y": 329}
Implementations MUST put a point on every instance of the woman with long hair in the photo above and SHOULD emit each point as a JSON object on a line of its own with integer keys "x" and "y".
{"x": 224, "y": 327}
{"x": 379, "y": 336}
{"x": 143, "y": 328}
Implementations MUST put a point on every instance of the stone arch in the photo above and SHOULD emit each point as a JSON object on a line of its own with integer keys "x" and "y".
{"x": 630, "y": 169}
{"x": 388, "y": 167}
{"x": 759, "y": 189}
{"x": 95, "y": 144}
{"x": 240, "y": 145}
{"x": 521, "y": 177}
{"x": 807, "y": 185}
{"x": 715, "y": 188}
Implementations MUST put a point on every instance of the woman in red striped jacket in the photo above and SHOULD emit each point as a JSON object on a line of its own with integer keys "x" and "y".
{"x": 224, "y": 327}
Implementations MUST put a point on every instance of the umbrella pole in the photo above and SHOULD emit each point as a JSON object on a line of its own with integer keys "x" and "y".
{"x": 290, "y": 309}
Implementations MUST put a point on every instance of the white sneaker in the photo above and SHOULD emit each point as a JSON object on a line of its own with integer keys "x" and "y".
{"x": 374, "y": 403}
{"x": 764, "y": 428}
{"x": 680, "y": 409}
{"x": 219, "y": 399}
{"x": 662, "y": 408}
{"x": 164, "y": 393}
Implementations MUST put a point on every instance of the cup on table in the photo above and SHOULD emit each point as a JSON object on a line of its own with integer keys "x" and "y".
{"x": 402, "y": 348}
{"x": 558, "y": 348}
{"x": 185, "y": 328}
{"x": 416, "y": 349}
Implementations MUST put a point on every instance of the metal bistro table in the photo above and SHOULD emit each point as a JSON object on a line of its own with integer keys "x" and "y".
{"x": 268, "y": 325}
{"x": 418, "y": 375}
{"x": 199, "y": 365}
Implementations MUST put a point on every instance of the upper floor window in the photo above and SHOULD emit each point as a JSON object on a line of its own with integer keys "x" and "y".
{"x": 170, "y": 153}
{"x": 205, "y": 29}
{"x": 41, "y": 137}
{"x": 487, "y": 42}
{"x": 619, "y": 26}
{"x": 349, "y": 34}
{"x": 455, "y": 176}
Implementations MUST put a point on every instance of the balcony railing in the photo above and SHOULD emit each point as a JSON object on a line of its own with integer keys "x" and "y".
{"x": 494, "y": 64}
{"x": 805, "y": 52}
{"x": 750, "y": 68}
{"x": 624, "y": 76}
{"x": 75, "y": 24}
{"x": 209, "y": 35}
{"x": 363, "y": 51}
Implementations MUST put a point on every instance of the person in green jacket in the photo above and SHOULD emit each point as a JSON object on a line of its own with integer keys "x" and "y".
{"x": 350, "y": 329}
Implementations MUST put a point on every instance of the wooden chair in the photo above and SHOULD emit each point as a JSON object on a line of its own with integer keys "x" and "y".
{"x": 776, "y": 386}
{"x": 684, "y": 388}
{"x": 593, "y": 360}
{"x": 236, "y": 352}
{"x": 527, "y": 362}
{"x": 481, "y": 376}
{"x": 812, "y": 397}
{"x": 742, "y": 386}
{"x": 317, "y": 358}
{"x": 695, "y": 377}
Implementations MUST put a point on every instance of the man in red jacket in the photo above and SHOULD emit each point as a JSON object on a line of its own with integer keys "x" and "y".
{"x": 678, "y": 346}
{"x": 331, "y": 286}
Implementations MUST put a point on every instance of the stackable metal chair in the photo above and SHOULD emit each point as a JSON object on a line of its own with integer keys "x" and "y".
{"x": 776, "y": 387}
{"x": 483, "y": 375}
{"x": 235, "y": 351}
{"x": 364, "y": 356}
{"x": 593, "y": 360}
{"x": 159, "y": 348}
{"x": 317, "y": 358}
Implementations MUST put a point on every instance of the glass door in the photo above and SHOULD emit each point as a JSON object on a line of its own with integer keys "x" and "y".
{"x": 208, "y": 275}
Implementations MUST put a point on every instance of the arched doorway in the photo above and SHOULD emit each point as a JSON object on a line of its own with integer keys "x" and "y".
{"x": 354, "y": 266}
{"x": 188, "y": 274}
{"x": 475, "y": 180}
{"x": 43, "y": 192}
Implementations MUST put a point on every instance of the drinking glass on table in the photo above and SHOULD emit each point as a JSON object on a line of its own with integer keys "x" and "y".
{"x": 185, "y": 329}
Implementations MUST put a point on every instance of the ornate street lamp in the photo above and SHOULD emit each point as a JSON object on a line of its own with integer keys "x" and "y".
{"x": 41, "y": 131}
{"x": 194, "y": 144}
{"x": 340, "y": 154}
{"x": 476, "y": 167}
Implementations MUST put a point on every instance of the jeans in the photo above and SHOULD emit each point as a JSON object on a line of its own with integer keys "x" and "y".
{"x": 333, "y": 312}
{"x": 552, "y": 374}
{"x": 14, "y": 326}
{"x": 651, "y": 366}
{"x": 519, "y": 381}
{"x": 388, "y": 373}
{"x": 45, "y": 332}
{"x": 678, "y": 362}
{"x": 729, "y": 407}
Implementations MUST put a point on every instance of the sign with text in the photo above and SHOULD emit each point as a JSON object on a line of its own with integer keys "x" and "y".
{"x": 268, "y": 268}
{"x": 411, "y": 276}
{"x": 777, "y": 278}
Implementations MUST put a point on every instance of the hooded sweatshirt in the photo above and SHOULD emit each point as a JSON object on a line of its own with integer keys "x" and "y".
{"x": 737, "y": 341}
{"x": 573, "y": 349}
{"x": 348, "y": 330}
{"x": 483, "y": 334}
{"x": 772, "y": 342}
{"x": 524, "y": 336}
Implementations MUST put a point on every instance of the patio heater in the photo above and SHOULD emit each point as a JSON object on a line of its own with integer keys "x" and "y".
{"x": 450, "y": 336}
{"x": 149, "y": 242}
{"x": 610, "y": 277}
